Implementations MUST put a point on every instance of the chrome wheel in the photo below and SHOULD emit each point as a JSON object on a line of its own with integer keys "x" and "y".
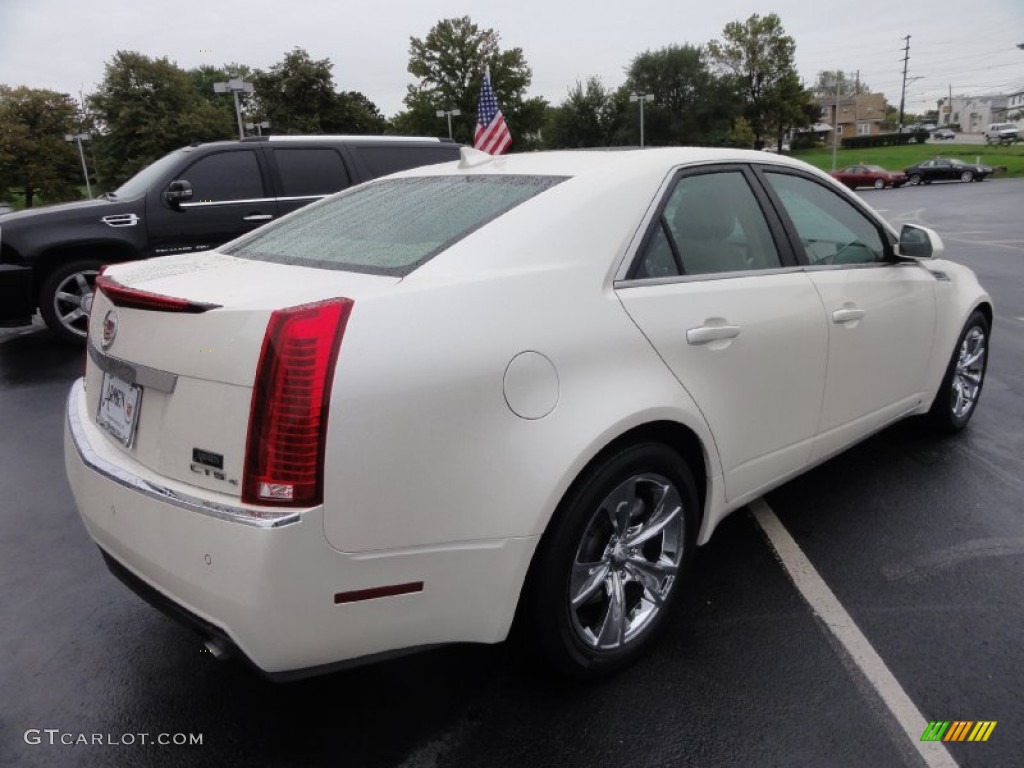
{"x": 627, "y": 561}
{"x": 970, "y": 369}
{"x": 879, "y": 184}
{"x": 966, "y": 176}
{"x": 72, "y": 299}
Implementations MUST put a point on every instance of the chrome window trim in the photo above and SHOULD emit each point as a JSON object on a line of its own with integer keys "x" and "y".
{"x": 133, "y": 373}
{"x": 638, "y": 283}
{"x": 227, "y": 202}
{"x": 704, "y": 277}
{"x": 304, "y": 197}
{"x": 95, "y": 462}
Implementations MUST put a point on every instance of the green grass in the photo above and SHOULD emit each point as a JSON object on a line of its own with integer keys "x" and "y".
{"x": 897, "y": 158}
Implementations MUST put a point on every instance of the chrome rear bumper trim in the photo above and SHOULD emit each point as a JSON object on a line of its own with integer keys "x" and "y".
{"x": 133, "y": 373}
{"x": 95, "y": 462}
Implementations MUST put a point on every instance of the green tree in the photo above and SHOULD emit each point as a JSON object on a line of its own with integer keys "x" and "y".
{"x": 759, "y": 57}
{"x": 144, "y": 109}
{"x": 789, "y": 106}
{"x": 691, "y": 105}
{"x": 34, "y": 156}
{"x": 448, "y": 63}
{"x": 585, "y": 119}
{"x": 298, "y": 96}
{"x": 741, "y": 134}
{"x": 205, "y": 76}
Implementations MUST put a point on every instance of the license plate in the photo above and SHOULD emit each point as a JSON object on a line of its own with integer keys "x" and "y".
{"x": 119, "y": 408}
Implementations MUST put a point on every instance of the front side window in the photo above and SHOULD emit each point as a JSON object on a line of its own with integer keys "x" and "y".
{"x": 224, "y": 177}
{"x": 831, "y": 230}
{"x": 711, "y": 223}
{"x": 389, "y": 227}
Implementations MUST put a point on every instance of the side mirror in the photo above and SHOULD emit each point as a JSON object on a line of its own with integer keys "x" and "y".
{"x": 920, "y": 242}
{"x": 178, "y": 191}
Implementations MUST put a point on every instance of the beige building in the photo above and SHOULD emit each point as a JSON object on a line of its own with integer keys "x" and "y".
{"x": 857, "y": 116}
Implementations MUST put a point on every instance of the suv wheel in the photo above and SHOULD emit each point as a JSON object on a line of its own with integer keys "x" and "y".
{"x": 62, "y": 299}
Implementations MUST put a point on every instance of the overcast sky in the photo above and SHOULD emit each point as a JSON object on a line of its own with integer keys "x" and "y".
{"x": 63, "y": 44}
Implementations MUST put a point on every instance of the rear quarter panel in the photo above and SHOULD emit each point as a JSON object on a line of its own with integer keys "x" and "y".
{"x": 423, "y": 448}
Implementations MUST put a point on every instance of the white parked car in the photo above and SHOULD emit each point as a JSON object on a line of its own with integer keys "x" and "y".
{"x": 535, "y": 382}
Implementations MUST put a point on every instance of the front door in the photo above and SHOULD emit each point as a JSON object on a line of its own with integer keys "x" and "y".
{"x": 229, "y": 198}
{"x": 880, "y": 313}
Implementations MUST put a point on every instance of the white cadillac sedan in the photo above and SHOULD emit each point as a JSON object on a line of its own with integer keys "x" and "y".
{"x": 520, "y": 386}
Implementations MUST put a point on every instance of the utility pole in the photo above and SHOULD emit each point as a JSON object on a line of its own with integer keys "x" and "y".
{"x": 903, "y": 92}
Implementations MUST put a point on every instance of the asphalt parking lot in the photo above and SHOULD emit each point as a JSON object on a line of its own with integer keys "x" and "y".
{"x": 920, "y": 538}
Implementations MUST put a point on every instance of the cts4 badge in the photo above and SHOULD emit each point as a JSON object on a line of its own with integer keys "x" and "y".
{"x": 109, "y": 330}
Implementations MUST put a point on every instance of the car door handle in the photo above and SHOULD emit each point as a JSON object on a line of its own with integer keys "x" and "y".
{"x": 708, "y": 333}
{"x": 846, "y": 315}
{"x": 258, "y": 217}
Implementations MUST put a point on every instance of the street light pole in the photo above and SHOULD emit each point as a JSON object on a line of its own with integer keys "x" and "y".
{"x": 235, "y": 86}
{"x": 835, "y": 125}
{"x": 77, "y": 137}
{"x": 449, "y": 113}
{"x": 641, "y": 97}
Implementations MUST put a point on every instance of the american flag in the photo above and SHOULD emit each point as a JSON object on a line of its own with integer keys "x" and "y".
{"x": 492, "y": 135}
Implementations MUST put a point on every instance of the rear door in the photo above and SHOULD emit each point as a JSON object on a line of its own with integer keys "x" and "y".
{"x": 880, "y": 312}
{"x": 718, "y": 293}
{"x": 231, "y": 196}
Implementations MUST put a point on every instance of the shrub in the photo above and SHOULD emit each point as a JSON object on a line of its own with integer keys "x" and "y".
{"x": 884, "y": 140}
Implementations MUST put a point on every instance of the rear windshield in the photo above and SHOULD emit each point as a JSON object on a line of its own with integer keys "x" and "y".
{"x": 389, "y": 227}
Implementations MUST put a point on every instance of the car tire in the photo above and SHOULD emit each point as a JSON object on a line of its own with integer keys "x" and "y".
{"x": 961, "y": 387}
{"x": 879, "y": 183}
{"x": 967, "y": 176}
{"x": 61, "y": 299}
{"x": 914, "y": 179}
{"x": 610, "y": 566}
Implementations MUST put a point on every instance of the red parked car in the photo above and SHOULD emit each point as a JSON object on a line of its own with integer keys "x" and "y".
{"x": 875, "y": 176}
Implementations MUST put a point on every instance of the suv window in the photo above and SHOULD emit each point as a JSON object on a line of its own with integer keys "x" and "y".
{"x": 831, "y": 230}
{"x": 389, "y": 227}
{"x": 383, "y": 160}
{"x": 711, "y": 223}
{"x": 225, "y": 176}
{"x": 311, "y": 172}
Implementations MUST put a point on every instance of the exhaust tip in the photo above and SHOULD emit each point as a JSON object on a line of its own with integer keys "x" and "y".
{"x": 217, "y": 647}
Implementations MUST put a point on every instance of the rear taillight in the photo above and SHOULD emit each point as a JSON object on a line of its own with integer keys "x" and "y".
{"x": 123, "y": 296}
{"x": 284, "y": 452}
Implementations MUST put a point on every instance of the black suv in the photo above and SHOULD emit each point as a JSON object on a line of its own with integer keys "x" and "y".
{"x": 193, "y": 199}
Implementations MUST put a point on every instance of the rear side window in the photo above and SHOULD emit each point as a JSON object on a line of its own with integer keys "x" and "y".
{"x": 310, "y": 172}
{"x": 389, "y": 227}
{"x": 390, "y": 159}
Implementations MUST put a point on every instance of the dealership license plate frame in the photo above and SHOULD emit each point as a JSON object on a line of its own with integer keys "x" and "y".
{"x": 118, "y": 408}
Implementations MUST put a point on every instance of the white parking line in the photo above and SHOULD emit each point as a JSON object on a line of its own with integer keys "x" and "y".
{"x": 827, "y": 607}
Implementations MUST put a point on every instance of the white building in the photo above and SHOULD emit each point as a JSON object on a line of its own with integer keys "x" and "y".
{"x": 973, "y": 113}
